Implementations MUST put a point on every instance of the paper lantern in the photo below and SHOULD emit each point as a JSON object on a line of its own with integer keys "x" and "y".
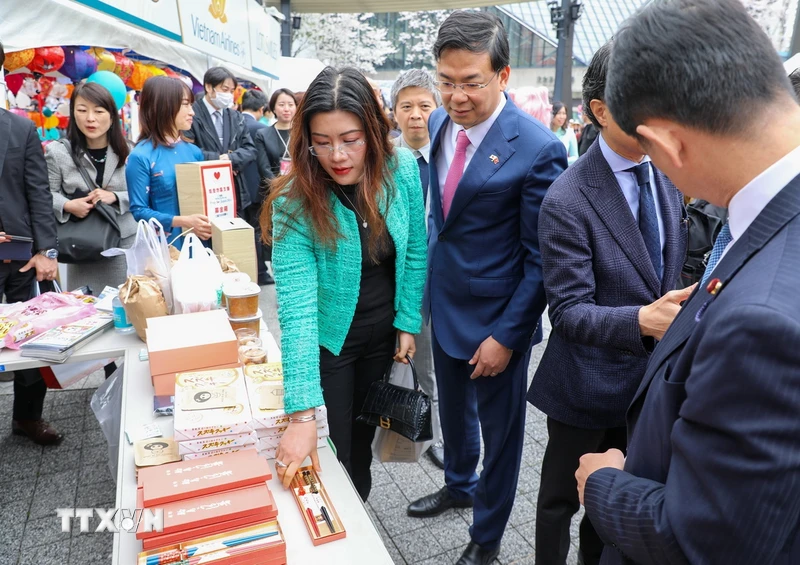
{"x": 105, "y": 60}
{"x": 19, "y": 59}
{"x": 140, "y": 74}
{"x": 113, "y": 84}
{"x": 238, "y": 94}
{"x": 78, "y": 64}
{"x": 155, "y": 71}
{"x": 47, "y": 59}
{"x": 197, "y": 87}
{"x": 123, "y": 67}
{"x": 14, "y": 82}
{"x": 51, "y": 122}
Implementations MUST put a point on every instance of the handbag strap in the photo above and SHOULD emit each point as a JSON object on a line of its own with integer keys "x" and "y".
{"x": 387, "y": 374}
{"x": 91, "y": 185}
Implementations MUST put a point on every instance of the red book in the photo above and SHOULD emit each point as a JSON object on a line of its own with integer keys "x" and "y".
{"x": 172, "y": 482}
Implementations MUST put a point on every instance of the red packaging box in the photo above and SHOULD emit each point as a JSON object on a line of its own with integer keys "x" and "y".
{"x": 190, "y": 342}
{"x": 165, "y": 384}
{"x": 211, "y": 509}
{"x": 163, "y": 540}
{"x": 310, "y": 495}
{"x": 182, "y": 480}
{"x": 271, "y": 550}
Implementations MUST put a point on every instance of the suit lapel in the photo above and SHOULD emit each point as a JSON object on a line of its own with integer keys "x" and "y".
{"x": 482, "y": 166}
{"x": 434, "y": 192}
{"x": 781, "y": 210}
{"x": 5, "y": 134}
{"x": 206, "y": 124}
{"x": 616, "y": 214}
{"x": 674, "y": 252}
{"x": 112, "y": 160}
{"x": 227, "y": 129}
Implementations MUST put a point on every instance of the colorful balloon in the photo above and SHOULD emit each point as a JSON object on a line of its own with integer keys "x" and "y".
{"x": 51, "y": 122}
{"x": 47, "y": 59}
{"x": 123, "y": 67}
{"x": 14, "y": 82}
{"x": 19, "y": 59}
{"x": 105, "y": 60}
{"x": 78, "y": 64}
{"x": 113, "y": 84}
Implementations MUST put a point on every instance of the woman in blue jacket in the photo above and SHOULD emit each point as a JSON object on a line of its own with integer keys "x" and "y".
{"x": 165, "y": 109}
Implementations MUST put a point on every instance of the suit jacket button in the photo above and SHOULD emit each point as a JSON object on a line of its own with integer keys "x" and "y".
{"x": 441, "y": 238}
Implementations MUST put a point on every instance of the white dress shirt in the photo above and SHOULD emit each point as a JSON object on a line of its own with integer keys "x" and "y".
{"x": 475, "y": 134}
{"x": 211, "y": 109}
{"x": 424, "y": 151}
{"x": 630, "y": 189}
{"x": 748, "y": 203}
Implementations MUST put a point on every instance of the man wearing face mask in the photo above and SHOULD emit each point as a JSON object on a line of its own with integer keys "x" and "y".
{"x": 221, "y": 132}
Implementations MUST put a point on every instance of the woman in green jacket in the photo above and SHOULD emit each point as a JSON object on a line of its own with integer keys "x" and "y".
{"x": 349, "y": 258}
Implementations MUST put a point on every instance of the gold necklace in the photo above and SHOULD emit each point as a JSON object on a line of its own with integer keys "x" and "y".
{"x": 363, "y": 219}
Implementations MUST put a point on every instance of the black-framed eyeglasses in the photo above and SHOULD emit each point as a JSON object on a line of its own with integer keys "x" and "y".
{"x": 467, "y": 87}
{"x": 328, "y": 150}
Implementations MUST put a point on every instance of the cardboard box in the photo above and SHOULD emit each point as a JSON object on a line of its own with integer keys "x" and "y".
{"x": 164, "y": 385}
{"x": 213, "y": 508}
{"x": 234, "y": 238}
{"x": 185, "y": 536}
{"x": 206, "y": 187}
{"x": 213, "y": 443}
{"x": 176, "y": 481}
{"x": 190, "y": 342}
{"x": 200, "y": 424}
{"x": 218, "y": 452}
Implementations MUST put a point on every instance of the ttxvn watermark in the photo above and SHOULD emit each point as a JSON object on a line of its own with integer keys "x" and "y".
{"x": 113, "y": 519}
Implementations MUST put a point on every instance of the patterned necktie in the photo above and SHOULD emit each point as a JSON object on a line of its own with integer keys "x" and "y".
{"x": 218, "y": 124}
{"x": 723, "y": 239}
{"x": 423, "y": 176}
{"x": 648, "y": 218}
{"x": 456, "y": 171}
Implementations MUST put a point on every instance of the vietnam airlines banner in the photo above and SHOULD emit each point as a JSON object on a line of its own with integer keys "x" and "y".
{"x": 217, "y": 27}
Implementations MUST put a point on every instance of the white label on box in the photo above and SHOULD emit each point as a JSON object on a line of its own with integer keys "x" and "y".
{"x": 219, "y": 191}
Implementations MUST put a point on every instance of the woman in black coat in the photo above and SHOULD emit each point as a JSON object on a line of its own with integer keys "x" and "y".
{"x": 272, "y": 143}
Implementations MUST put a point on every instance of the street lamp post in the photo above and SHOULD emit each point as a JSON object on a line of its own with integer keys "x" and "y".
{"x": 563, "y": 14}
{"x": 286, "y": 28}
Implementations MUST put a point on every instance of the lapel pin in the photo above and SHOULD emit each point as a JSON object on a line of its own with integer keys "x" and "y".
{"x": 714, "y": 286}
{"x": 494, "y": 159}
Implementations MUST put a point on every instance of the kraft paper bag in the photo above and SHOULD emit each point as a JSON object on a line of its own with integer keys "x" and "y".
{"x": 142, "y": 298}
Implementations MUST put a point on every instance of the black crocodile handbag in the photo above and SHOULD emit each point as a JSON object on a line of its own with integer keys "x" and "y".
{"x": 403, "y": 410}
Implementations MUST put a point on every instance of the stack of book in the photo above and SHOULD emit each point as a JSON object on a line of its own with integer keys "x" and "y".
{"x": 57, "y": 344}
{"x": 206, "y": 504}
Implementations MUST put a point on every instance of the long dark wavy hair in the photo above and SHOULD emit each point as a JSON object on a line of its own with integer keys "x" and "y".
{"x": 99, "y": 96}
{"x": 309, "y": 185}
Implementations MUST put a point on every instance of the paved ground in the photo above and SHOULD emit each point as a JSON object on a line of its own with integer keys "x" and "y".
{"x": 34, "y": 481}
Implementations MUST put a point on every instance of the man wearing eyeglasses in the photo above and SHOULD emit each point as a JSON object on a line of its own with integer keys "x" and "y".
{"x": 491, "y": 165}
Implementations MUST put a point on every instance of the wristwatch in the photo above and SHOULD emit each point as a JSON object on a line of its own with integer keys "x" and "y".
{"x": 49, "y": 253}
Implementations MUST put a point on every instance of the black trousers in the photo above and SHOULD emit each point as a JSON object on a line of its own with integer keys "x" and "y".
{"x": 346, "y": 378}
{"x": 29, "y": 388}
{"x": 558, "y": 493}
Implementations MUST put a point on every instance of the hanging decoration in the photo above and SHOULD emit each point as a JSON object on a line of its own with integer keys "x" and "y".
{"x": 18, "y": 59}
{"x": 77, "y": 64}
{"x": 123, "y": 67}
{"x": 105, "y": 60}
{"x": 47, "y": 59}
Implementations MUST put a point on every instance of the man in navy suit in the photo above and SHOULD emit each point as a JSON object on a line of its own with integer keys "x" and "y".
{"x": 713, "y": 467}
{"x": 613, "y": 243}
{"x": 491, "y": 165}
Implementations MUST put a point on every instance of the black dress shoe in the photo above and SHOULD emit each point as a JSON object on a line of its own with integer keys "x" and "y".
{"x": 266, "y": 279}
{"x": 476, "y": 555}
{"x": 436, "y": 503}
{"x": 37, "y": 431}
{"x": 436, "y": 454}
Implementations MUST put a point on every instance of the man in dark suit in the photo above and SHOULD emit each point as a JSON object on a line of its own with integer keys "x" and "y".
{"x": 26, "y": 210}
{"x": 491, "y": 165}
{"x": 613, "y": 243}
{"x": 220, "y": 131}
{"x": 712, "y": 473}
{"x": 253, "y": 104}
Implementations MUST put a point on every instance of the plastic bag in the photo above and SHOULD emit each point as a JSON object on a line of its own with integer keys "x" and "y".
{"x": 149, "y": 256}
{"x": 107, "y": 407}
{"x": 21, "y": 321}
{"x": 196, "y": 278}
{"x": 389, "y": 446}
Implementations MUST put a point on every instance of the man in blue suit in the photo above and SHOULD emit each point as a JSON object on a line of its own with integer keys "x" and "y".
{"x": 613, "y": 243}
{"x": 713, "y": 467}
{"x": 491, "y": 165}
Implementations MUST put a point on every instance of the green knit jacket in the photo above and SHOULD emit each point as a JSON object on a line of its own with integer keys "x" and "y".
{"x": 318, "y": 286}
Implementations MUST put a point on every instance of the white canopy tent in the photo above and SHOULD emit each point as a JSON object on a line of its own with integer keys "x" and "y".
{"x": 63, "y": 22}
{"x": 324, "y": 6}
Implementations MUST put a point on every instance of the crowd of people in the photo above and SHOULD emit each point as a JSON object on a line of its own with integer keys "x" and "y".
{"x": 671, "y": 411}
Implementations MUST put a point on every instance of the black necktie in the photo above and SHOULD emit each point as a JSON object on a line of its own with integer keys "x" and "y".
{"x": 423, "y": 176}
{"x": 648, "y": 218}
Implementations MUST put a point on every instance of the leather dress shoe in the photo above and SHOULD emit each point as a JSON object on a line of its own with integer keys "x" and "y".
{"x": 436, "y": 503}
{"x": 436, "y": 454}
{"x": 37, "y": 431}
{"x": 476, "y": 555}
